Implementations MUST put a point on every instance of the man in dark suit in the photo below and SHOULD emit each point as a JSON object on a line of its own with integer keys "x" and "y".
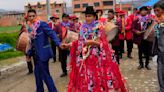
{"x": 53, "y": 24}
{"x": 41, "y": 51}
{"x": 138, "y": 29}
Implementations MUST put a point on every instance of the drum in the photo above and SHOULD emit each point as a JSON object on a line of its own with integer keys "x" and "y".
{"x": 70, "y": 36}
{"x": 111, "y": 30}
{"x": 23, "y": 43}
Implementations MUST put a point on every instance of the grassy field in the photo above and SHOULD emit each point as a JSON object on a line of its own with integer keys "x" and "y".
{"x": 9, "y": 29}
{"x": 9, "y": 35}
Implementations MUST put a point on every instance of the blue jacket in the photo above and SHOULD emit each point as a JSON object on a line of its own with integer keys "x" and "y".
{"x": 41, "y": 47}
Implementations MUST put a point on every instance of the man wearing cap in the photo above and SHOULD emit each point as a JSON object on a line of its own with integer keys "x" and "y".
{"x": 53, "y": 24}
{"x": 120, "y": 22}
{"x": 63, "y": 53}
{"x": 77, "y": 24}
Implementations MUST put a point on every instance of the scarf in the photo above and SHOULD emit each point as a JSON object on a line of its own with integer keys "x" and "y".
{"x": 33, "y": 27}
{"x": 65, "y": 24}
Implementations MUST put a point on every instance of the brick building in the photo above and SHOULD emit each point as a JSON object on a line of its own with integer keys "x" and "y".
{"x": 57, "y": 6}
{"x": 11, "y": 18}
{"x": 105, "y": 5}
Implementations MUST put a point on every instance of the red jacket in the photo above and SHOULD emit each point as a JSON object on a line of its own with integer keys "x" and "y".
{"x": 128, "y": 29}
{"x": 119, "y": 24}
{"x": 56, "y": 27}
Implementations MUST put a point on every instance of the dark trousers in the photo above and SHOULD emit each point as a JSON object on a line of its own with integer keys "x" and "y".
{"x": 121, "y": 47}
{"x": 30, "y": 66}
{"x": 54, "y": 50}
{"x": 160, "y": 71}
{"x": 116, "y": 49}
{"x": 129, "y": 46}
{"x": 63, "y": 59}
{"x": 144, "y": 48}
{"x": 42, "y": 74}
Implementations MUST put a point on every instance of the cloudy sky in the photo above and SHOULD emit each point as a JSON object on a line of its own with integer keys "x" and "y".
{"x": 19, "y": 4}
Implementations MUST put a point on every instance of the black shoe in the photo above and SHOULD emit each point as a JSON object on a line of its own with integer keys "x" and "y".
{"x": 140, "y": 67}
{"x": 130, "y": 57}
{"x": 30, "y": 72}
{"x": 63, "y": 75}
{"x": 148, "y": 67}
{"x": 120, "y": 56}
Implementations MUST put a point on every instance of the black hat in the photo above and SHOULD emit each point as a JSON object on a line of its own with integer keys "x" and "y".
{"x": 144, "y": 8}
{"x": 65, "y": 15}
{"x": 89, "y": 10}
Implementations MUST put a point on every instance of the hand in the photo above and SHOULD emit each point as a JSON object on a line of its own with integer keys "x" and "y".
{"x": 28, "y": 59}
{"x": 65, "y": 46}
{"x": 122, "y": 32}
{"x": 67, "y": 27}
{"x": 138, "y": 32}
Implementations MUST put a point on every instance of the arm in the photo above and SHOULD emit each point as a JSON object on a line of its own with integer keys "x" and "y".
{"x": 51, "y": 33}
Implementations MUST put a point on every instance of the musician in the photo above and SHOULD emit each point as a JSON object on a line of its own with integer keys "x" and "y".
{"x": 120, "y": 22}
{"x": 41, "y": 51}
{"x": 77, "y": 24}
{"x": 129, "y": 36}
{"x": 159, "y": 29}
{"x": 138, "y": 29}
{"x": 64, "y": 52}
{"x": 53, "y": 24}
{"x": 116, "y": 42}
{"x": 71, "y": 21}
{"x": 28, "y": 60}
{"x": 101, "y": 19}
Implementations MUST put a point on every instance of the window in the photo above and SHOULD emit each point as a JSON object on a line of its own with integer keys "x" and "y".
{"x": 57, "y": 11}
{"x": 106, "y": 3}
{"x": 39, "y": 5}
{"x": 85, "y": 5}
{"x": 77, "y": 6}
{"x": 96, "y": 4}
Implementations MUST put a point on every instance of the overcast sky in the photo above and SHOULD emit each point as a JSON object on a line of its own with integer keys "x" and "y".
{"x": 19, "y": 4}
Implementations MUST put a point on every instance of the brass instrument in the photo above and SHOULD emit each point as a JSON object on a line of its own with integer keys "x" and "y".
{"x": 123, "y": 25}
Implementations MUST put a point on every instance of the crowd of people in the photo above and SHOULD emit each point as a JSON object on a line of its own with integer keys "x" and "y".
{"x": 94, "y": 60}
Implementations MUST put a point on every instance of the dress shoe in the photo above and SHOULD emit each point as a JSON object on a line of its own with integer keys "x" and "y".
{"x": 130, "y": 57}
{"x": 30, "y": 72}
{"x": 140, "y": 67}
{"x": 63, "y": 75}
{"x": 148, "y": 67}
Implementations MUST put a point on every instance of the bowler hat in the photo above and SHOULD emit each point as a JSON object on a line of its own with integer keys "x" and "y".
{"x": 90, "y": 10}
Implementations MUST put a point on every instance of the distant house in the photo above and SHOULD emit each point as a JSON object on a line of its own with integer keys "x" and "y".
{"x": 12, "y": 18}
{"x": 57, "y": 6}
{"x": 80, "y": 5}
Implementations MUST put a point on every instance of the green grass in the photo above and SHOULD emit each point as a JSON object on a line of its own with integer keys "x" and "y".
{"x": 8, "y": 35}
{"x": 10, "y": 38}
{"x": 9, "y": 29}
{"x": 9, "y": 54}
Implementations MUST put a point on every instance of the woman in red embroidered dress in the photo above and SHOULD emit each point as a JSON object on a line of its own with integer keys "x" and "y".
{"x": 93, "y": 67}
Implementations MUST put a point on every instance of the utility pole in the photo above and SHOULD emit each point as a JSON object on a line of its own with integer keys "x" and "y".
{"x": 48, "y": 9}
{"x": 114, "y": 5}
{"x": 132, "y": 6}
{"x": 120, "y": 4}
